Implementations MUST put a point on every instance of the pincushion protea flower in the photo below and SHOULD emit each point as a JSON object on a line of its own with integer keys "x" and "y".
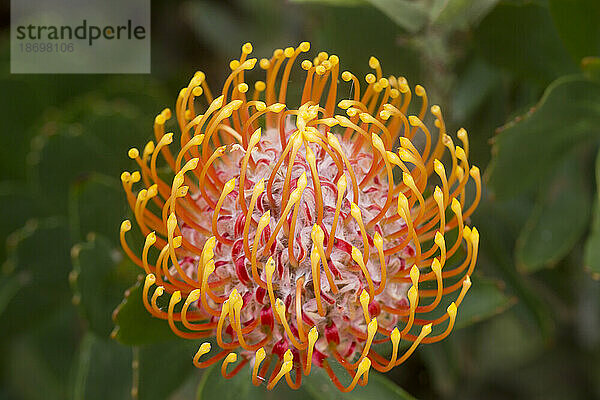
{"x": 301, "y": 236}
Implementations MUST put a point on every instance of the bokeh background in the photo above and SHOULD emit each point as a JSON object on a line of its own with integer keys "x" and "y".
{"x": 523, "y": 77}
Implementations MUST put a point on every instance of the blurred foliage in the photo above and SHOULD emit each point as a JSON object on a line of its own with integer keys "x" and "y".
{"x": 521, "y": 75}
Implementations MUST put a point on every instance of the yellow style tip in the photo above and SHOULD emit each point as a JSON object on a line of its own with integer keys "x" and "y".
{"x": 150, "y": 279}
{"x": 175, "y": 298}
{"x": 414, "y": 120}
{"x": 426, "y": 330}
{"x": 304, "y": 46}
{"x": 126, "y": 226}
{"x": 203, "y": 349}
{"x": 151, "y": 238}
{"x": 231, "y": 358}
{"x": 247, "y": 48}
{"x": 395, "y": 336}
{"x": 288, "y": 52}
{"x": 133, "y": 153}
{"x": 452, "y": 310}
{"x": 260, "y": 355}
{"x": 372, "y": 327}
{"x": 357, "y": 255}
{"x": 193, "y": 296}
{"x": 313, "y": 334}
{"x": 373, "y": 63}
{"x": 365, "y": 299}
{"x": 414, "y": 275}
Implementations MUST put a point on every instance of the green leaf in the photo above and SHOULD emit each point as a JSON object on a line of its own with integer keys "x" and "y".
{"x": 9, "y": 287}
{"x": 17, "y": 205}
{"x": 38, "y": 362}
{"x": 214, "y": 386}
{"x": 320, "y": 387}
{"x": 460, "y": 14}
{"x": 162, "y": 368}
{"x": 141, "y": 91}
{"x": 443, "y": 362}
{"x": 592, "y": 250}
{"x": 60, "y": 159}
{"x": 409, "y": 15}
{"x": 89, "y": 136}
{"x": 87, "y": 197}
{"x": 25, "y": 112}
{"x": 485, "y": 299}
{"x": 591, "y": 67}
{"x": 506, "y": 343}
{"x": 20, "y": 108}
{"x": 38, "y": 255}
{"x": 578, "y": 24}
{"x": 499, "y": 224}
{"x": 116, "y": 126}
{"x": 382, "y": 42}
{"x": 558, "y": 220}
{"x": 103, "y": 370}
{"x": 134, "y": 324}
{"x": 99, "y": 278}
{"x": 592, "y": 245}
{"x": 477, "y": 82}
{"x": 341, "y": 3}
{"x": 527, "y": 149}
{"x": 222, "y": 31}
{"x": 523, "y": 39}
{"x": 215, "y": 25}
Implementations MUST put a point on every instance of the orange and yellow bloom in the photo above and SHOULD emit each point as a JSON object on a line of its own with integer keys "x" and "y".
{"x": 304, "y": 236}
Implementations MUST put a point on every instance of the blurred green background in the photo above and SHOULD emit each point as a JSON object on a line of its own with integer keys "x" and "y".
{"x": 523, "y": 77}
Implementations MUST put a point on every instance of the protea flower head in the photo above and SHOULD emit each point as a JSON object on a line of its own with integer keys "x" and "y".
{"x": 304, "y": 235}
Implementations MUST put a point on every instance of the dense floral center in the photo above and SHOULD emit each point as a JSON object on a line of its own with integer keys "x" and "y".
{"x": 343, "y": 314}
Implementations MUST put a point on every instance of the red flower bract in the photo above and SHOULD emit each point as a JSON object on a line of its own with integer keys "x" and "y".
{"x": 300, "y": 236}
